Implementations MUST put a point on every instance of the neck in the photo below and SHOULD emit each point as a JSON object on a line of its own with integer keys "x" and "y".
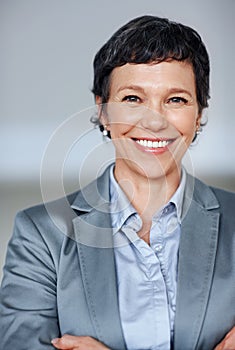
{"x": 147, "y": 195}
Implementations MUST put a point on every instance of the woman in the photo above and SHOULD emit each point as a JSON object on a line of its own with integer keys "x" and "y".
{"x": 148, "y": 262}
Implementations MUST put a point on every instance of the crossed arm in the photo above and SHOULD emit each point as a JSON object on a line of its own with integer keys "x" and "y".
{"x": 30, "y": 316}
{"x": 69, "y": 342}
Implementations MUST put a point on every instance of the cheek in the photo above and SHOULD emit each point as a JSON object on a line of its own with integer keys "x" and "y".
{"x": 184, "y": 123}
{"x": 120, "y": 121}
{"x": 118, "y": 129}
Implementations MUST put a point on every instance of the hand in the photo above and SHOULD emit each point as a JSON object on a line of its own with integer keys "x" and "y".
{"x": 70, "y": 342}
{"x": 228, "y": 343}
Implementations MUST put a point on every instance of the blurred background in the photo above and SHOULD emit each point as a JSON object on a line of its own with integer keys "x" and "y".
{"x": 47, "y": 49}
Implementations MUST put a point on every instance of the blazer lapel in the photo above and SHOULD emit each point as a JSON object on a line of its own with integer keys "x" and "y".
{"x": 93, "y": 234}
{"x": 197, "y": 253}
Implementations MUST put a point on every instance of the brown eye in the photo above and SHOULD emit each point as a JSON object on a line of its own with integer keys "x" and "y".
{"x": 177, "y": 100}
{"x": 131, "y": 98}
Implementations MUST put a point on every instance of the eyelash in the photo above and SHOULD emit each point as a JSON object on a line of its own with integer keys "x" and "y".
{"x": 177, "y": 99}
{"x": 174, "y": 99}
{"x": 129, "y": 98}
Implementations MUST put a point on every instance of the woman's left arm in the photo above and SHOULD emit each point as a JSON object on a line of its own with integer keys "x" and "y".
{"x": 69, "y": 342}
{"x": 228, "y": 343}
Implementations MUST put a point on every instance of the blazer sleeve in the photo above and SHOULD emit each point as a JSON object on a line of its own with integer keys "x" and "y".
{"x": 28, "y": 313}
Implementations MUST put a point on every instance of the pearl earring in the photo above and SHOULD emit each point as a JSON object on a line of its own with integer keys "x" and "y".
{"x": 199, "y": 130}
{"x": 197, "y": 133}
{"x": 105, "y": 131}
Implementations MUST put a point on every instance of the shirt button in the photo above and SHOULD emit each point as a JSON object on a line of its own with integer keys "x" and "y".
{"x": 158, "y": 247}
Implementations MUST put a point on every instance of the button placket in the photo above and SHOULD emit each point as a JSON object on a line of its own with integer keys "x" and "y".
{"x": 158, "y": 247}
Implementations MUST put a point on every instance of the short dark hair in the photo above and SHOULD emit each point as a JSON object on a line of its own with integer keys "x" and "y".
{"x": 148, "y": 39}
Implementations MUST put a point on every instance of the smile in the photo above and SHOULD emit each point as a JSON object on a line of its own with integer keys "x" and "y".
{"x": 153, "y": 144}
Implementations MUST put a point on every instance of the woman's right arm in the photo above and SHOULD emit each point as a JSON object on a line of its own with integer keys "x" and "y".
{"x": 28, "y": 312}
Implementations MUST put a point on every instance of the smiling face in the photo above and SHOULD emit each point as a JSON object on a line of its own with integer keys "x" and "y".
{"x": 152, "y": 115}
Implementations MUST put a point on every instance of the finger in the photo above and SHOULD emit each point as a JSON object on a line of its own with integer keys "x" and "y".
{"x": 66, "y": 342}
{"x": 228, "y": 343}
{"x": 70, "y": 342}
{"x": 231, "y": 333}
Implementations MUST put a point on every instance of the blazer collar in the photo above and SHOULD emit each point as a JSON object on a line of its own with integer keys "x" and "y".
{"x": 197, "y": 191}
{"x": 95, "y": 195}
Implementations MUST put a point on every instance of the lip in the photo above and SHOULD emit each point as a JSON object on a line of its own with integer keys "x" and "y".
{"x": 154, "y": 150}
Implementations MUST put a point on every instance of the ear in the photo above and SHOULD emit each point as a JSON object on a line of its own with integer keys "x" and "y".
{"x": 198, "y": 120}
{"x": 101, "y": 113}
{"x": 98, "y": 100}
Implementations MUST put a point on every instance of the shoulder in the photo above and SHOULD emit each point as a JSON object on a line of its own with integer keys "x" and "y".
{"x": 201, "y": 189}
{"x": 44, "y": 209}
{"x": 225, "y": 199}
{"x": 43, "y": 228}
{"x": 54, "y": 220}
{"x": 222, "y": 194}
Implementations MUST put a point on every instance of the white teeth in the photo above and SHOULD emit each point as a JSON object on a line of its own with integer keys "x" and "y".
{"x": 153, "y": 144}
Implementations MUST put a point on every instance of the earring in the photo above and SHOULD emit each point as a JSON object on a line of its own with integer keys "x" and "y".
{"x": 105, "y": 131}
{"x": 199, "y": 130}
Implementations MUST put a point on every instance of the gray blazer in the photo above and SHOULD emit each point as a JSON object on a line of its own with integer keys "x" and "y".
{"x": 60, "y": 275}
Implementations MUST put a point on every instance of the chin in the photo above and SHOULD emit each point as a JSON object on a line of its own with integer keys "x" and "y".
{"x": 156, "y": 171}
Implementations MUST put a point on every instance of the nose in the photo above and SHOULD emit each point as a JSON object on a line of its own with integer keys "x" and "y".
{"x": 153, "y": 119}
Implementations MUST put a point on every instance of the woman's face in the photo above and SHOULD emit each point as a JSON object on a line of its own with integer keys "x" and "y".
{"x": 152, "y": 115}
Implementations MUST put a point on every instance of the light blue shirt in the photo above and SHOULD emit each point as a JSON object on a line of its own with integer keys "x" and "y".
{"x": 146, "y": 275}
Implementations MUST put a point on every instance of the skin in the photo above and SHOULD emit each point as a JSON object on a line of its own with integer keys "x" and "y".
{"x": 157, "y": 102}
{"x": 228, "y": 343}
{"x": 70, "y": 342}
{"x": 154, "y": 102}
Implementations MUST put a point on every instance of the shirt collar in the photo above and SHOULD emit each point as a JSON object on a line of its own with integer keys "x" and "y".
{"x": 121, "y": 208}
{"x": 178, "y": 196}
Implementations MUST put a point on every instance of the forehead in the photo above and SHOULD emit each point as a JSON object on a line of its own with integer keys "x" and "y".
{"x": 176, "y": 74}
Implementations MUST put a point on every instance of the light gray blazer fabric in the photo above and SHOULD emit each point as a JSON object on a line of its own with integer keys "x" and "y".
{"x": 56, "y": 283}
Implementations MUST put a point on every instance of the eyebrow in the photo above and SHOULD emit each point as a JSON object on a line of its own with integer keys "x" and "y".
{"x": 141, "y": 89}
{"x": 131, "y": 87}
{"x": 179, "y": 91}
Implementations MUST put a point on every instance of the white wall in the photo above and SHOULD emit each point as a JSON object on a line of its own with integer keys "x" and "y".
{"x": 47, "y": 48}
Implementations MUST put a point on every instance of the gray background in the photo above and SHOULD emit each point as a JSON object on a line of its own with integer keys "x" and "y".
{"x": 47, "y": 48}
